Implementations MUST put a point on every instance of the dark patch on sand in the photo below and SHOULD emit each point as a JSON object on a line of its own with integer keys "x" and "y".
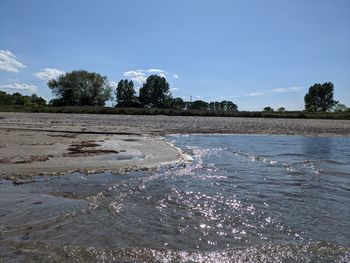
{"x": 66, "y": 135}
{"x": 27, "y": 159}
{"x": 131, "y": 140}
{"x": 86, "y": 148}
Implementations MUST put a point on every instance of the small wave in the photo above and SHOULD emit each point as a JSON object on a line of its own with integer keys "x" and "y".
{"x": 312, "y": 252}
{"x": 291, "y": 154}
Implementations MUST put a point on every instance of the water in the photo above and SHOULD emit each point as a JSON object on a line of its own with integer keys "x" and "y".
{"x": 243, "y": 199}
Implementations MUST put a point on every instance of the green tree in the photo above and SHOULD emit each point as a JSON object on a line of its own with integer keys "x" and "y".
{"x": 217, "y": 105}
{"x": 339, "y": 107}
{"x": 176, "y": 103}
{"x": 227, "y": 106}
{"x": 199, "y": 105}
{"x": 268, "y": 109}
{"x": 81, "y": 88}
{"x": 223, "y": 105}
{"x": 230, "y": 106}
{"x": 6, "y": 99}
{"x": 211, "y": 106}
{"x": 56, "y": 103}
{"x": 320, "y": 97}
{"x": 19, "y": 99}
{"x": 281, "y": 109}
{"x": 125, "y": 93}
{"x": 154, "y": 92}
{"x": 36, "y": 100}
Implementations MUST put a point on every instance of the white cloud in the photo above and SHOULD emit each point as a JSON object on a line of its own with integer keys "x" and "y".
{"x": 113, "y": 84}
{"x": 154, "y": 70}
{"x": 174, "y": 89}
{"x": 19, "y": 86}
{"x": 8, "y": 62}
{"x": 48, "y": 73}
{"x": 139, "y": 76}
{"x": 176, "y": 76}
{"x": 256, "y": 94}
{"x": 286, "y": 90}
{"x": 274, "y": 91}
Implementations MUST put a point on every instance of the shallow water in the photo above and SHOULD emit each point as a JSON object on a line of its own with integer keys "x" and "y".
{"x": 243, "y": 199}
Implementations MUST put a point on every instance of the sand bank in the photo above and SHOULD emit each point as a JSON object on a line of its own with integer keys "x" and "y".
{"x": 24, "y": 153}
{"x": 41, "y": 143}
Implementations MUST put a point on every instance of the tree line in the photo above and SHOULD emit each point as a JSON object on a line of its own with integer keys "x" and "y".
{"x": 83, "y": 88}
{"x": 155, "y": 93}
{"x": 21, "y": 100}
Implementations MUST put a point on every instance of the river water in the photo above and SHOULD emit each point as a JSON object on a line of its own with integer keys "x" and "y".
{"x": 242, "y": 199}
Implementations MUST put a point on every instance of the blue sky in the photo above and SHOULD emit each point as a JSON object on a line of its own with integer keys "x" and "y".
{"x": 255, "y": 53}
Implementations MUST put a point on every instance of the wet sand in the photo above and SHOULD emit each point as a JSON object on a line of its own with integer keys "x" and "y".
{"x": 26, "y": 153}
{"x": 49, "y": 144}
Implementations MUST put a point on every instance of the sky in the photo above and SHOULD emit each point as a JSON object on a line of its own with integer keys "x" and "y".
{"x": 252, "y": 52}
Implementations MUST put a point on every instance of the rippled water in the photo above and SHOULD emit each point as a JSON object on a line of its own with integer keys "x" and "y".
{"x": 243, "y": 199}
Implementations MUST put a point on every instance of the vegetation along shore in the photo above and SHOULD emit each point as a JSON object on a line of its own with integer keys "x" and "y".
{"x": 87, "y": 92}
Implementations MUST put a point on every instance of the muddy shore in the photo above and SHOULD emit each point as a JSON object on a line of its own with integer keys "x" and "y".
{"x": 52, "y": 144}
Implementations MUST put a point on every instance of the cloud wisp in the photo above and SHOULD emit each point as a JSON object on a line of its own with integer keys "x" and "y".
{"x": 8, "y": 62}
{"x": 252, "y": 94}
{"x": 48, "y": 73}
{"x": 275, "y": 91}
{"x": 287, "y": 90}
{"x": 155, "y": 70}
{"x": 139, "y": 76}
{"x": 174, "y": 89}
{"x": 19, "y": 87}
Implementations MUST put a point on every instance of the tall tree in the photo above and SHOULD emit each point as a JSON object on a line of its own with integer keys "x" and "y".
{"x": 320, "y": 97}
{"x": 81, "y": 88}
{"x": 154, "y": 92}
{"x": 125, "y": 93}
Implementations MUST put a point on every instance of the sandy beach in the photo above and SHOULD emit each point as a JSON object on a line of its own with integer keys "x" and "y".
{"x": 52, "y": 144}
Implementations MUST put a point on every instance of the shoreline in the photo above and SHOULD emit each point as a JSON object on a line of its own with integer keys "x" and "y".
{"x": 256, "y": 134}
{"x": 56, "y": 144}
{"x": 165, "y": 125}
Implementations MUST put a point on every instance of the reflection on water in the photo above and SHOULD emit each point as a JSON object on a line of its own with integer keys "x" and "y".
{"x": 244, "y": 198}
{"x": 322, "y": 149}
